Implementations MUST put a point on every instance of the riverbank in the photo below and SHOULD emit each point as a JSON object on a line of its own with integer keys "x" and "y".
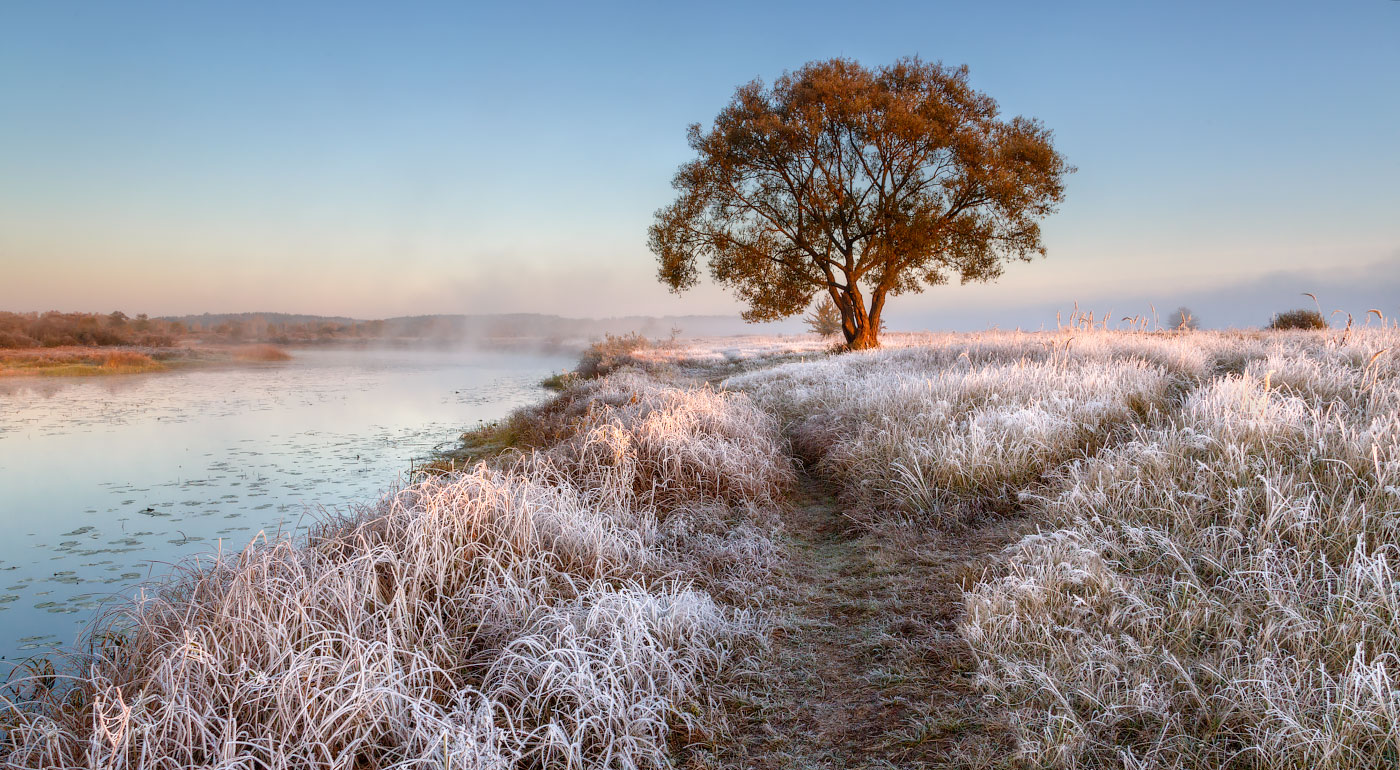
{"x": 563, "y": 606}
{"x": 1083, "y": 549}
{"x": 82, "y": 361}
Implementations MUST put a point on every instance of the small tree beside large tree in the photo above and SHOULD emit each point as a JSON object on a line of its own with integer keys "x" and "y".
{"x": 860, "y": 184}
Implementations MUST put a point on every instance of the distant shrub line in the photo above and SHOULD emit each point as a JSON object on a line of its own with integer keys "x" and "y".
{"x": 54, "y": 329}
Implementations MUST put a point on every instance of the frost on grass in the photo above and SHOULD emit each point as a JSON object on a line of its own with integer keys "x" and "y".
{"x": 546, "y": 610}
{"x": 928, "y": 433}
{"x": 1222, "y": 590}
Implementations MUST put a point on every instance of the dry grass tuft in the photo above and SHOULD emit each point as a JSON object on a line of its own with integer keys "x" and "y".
{"x": 265, "y": 353}
{"x": 124, "y": 359}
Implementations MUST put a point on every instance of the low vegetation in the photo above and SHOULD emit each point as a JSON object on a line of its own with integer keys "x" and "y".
{"x": 1073, "y": 549}
{"x": 1212, "y": 579}
{"x": 1298, "y": 319}
{"x": 916, "y": 431}
{"x": 97, "y": 361}
{"x": 1218, "y": 589}
{"x": 609, "y": 354}
{"x": 262, "y": 353}
{"x": 563, "y": 605}
{"x": 78, "y": 362}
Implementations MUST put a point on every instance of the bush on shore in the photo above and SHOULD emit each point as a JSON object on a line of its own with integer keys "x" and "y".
{"x": 608, "y": 355}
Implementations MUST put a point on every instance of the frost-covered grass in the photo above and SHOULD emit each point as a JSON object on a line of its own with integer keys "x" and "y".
{"x": 1215, "y": 580}
{"x": 554, "y": 608}
{"x": 1221, "y": 588}
{"x": 935, "y": 432}
{"x": 719, "y": 356}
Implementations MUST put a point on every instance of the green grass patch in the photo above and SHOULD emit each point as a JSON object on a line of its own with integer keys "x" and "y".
{"x": 560, "y": 381}
{"x": 475, "y": 445}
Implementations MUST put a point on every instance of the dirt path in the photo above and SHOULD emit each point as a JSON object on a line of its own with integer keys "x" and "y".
{"x": 867, "y": 670}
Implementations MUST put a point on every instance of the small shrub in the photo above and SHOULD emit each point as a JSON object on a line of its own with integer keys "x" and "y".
{"x": 1298, "y": 319}
{"x": 825, "y": 318}
{"x": 261, "y": 353}
{"x": 610, "y": 354}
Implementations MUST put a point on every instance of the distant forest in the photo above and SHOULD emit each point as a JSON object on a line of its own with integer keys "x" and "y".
{"x": 54, "y": 329}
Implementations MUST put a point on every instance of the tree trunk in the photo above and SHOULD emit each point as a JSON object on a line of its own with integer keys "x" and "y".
{"x": 865, "y": 338}
{"x": 861, "y": 329}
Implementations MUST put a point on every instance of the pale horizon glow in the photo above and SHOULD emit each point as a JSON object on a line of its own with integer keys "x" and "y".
{"x": 371, "y": 161}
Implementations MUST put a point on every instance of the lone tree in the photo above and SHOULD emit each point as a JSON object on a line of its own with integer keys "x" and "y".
{"x": 859, "y": 183}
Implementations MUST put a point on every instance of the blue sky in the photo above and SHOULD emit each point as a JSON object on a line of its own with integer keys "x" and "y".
{"x": 392, "y": 158}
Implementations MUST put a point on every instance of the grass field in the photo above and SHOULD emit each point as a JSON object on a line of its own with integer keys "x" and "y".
{"x": 1212, "y": 576}
{"x": 1067, "y": 549}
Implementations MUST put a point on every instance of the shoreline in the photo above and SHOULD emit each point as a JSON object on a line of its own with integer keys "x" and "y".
{"x": 512, "y": 588}
{"x": 92, "y": 361}
{"x": 629, "y": 569}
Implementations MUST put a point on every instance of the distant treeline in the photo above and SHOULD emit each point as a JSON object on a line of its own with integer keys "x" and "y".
{"x": 54, "y": 329}
{"x": 277, "y": 328}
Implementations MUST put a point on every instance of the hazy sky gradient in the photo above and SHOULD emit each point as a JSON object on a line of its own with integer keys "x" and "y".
{"x": 392, "y": 158}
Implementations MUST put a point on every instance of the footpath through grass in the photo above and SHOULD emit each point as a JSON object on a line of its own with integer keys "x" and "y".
{"x": 866, "y": 668}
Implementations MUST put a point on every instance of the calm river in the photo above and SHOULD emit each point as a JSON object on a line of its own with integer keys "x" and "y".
{"x": 105, "y": 481}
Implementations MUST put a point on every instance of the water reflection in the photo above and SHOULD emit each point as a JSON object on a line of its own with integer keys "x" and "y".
{"x": 104, "y": 481}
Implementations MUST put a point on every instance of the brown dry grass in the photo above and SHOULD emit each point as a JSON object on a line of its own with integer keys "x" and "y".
{"x": 76, "y": 362}
{"x": 266, "y": 353}
{"x": 122, "y": 359}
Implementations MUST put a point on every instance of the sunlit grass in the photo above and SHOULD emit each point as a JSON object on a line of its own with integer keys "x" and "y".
{"x": 77, "y": 362}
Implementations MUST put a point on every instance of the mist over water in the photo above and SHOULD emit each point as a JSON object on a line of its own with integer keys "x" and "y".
{"x": 104, "y": 482}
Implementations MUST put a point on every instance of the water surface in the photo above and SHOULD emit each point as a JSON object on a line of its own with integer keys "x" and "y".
{"x": 106, "y": 481}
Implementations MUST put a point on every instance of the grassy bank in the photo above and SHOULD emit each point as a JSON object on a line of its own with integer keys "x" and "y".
{"x": 77, "y": 362}
{"x": 1070, "y": 549}
{"x": 564, "y": 604}
{"x": 99, "y": 361}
